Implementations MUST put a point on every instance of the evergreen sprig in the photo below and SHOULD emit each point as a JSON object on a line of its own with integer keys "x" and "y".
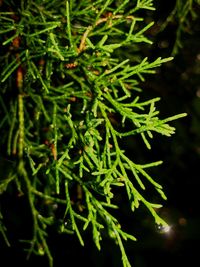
{"x": 70, "y": 78}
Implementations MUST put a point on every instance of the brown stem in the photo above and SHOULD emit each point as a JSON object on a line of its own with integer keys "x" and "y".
{"x": 90, "y": 28}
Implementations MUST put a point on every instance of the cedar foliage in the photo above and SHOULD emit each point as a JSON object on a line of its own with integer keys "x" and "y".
{"x": 71, "y": 74}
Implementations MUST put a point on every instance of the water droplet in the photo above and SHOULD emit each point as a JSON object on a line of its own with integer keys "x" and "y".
{"x": 163, "y": 229}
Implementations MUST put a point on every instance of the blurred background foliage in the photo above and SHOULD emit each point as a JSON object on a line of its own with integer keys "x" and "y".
{"x": 176, "y": 32}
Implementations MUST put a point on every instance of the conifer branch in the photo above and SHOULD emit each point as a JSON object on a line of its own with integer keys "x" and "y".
{"x": 70, "y": 84}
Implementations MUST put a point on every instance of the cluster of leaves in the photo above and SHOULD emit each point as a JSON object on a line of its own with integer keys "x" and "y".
{"x": 69, "y": 95}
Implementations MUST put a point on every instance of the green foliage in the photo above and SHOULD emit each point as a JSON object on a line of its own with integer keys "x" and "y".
{"x": 70, "y": 79}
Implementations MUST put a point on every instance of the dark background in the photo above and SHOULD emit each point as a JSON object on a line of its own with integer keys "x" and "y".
{"x": 178, "y": 85}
